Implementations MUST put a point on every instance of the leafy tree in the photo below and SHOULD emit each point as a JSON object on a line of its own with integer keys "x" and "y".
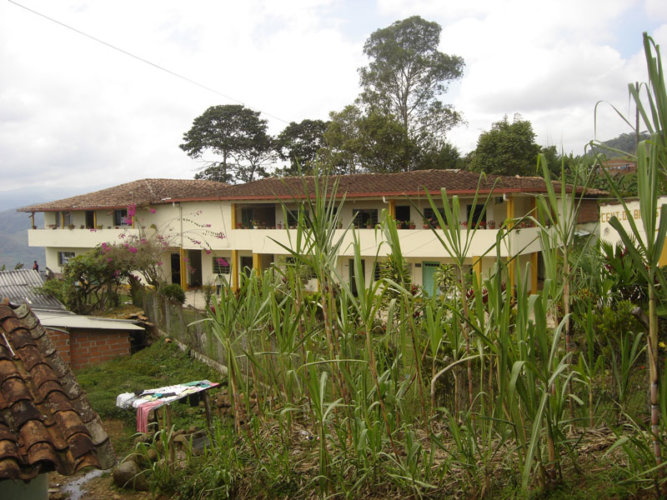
{"x": 373, "y": 142}
{"x": 444, "y": 157}
{"x": 237, "y": 135}
{"x": 90, "y": 281}
{"x": 407, "y": 74}
{"x": 506, "y": 149}
{"x": 299, "y": 143}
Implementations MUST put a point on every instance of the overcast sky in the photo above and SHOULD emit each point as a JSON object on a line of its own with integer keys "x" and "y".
{"x": 76, "y": 115}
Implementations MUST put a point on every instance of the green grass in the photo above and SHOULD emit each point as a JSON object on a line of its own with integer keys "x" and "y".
{"x": 157, "y": 365}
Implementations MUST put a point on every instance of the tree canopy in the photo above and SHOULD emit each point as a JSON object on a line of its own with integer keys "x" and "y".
{"x": 300, "y": 143}
{"x": 237, "y": 135}
{"x": 398, "y": 122}
{"x": 406, "y": 76}
{"x": 506, "y": 149}
{"x": 372, "y": 142}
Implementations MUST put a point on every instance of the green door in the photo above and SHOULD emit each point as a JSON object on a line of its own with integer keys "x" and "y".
{"x": 428, "y": 277}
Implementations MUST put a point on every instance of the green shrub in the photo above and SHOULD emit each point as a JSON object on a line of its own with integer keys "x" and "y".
{"x": 174, "y": 292}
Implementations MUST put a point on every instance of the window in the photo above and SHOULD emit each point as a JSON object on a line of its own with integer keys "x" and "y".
{"x": 365, "y": 217}
{"x": 120, "y": 218}
{"x": 377, "y": 270}
{"x": 293, "y": 216}
{"x": 64, "y": 257}
{"x": 90, "y": 219}
{"x": 478, "y": 214}
{"x": 403, "y": 213}
{"x": 67, "y": 219}
{"x": 221, "y": 265}
{"x": 429, "y": 215}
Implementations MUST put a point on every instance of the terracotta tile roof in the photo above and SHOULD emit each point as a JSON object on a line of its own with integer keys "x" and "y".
{"x": 141, "y": 192}
{"x": 395, "y": 185}
{"x": 46, "y": 422}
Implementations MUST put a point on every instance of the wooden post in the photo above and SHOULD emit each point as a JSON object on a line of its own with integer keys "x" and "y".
{"x": 184, "y": 270}
{"x": 511, "y": 265}
{"x": 207, "y": 407}
{"x": 235, "y": 270}
{"x": 170, "y": 441}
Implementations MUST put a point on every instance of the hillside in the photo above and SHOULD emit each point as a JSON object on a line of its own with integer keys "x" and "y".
{"x": 14, "y": 239}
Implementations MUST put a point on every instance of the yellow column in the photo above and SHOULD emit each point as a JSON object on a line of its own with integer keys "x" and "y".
{"x": 62, "y": 219}
{"x": 510, "y": 212}
{"x": 233, "y": 215}
{"x": 235, "y": 270}
{"x": 533, "y": 272}
{"x": 392, "y": 209}
{"x": 477, "y": 269}
{"x": 663, "y": 255}
{"x": 257, "y": 263}
{"x": 95, "y": 219}
{"x": 184, "y": 270}
{"x": 32, "y": 219}
{"x": 511, "y": 265}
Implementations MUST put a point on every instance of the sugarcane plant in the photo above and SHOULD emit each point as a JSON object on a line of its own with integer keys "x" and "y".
{"x": 644, "y": 242}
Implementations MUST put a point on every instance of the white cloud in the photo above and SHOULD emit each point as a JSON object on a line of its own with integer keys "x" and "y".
{"x": 77, "y": 114}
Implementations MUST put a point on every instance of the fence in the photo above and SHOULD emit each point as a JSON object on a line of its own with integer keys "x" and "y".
{"x": 185, "y": 326}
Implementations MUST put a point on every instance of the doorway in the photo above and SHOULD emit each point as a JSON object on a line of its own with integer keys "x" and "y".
{"x": 175, "y": 269}
{"x": 428, "y": 278}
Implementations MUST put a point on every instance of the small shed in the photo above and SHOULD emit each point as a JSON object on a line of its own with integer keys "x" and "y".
{"x": 46, "y": 422}
{"x": 80, "y": 340}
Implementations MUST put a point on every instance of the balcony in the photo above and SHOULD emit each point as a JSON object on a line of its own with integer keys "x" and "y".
{"x": 415, "y": 243}
{"x": 77, "y": 238}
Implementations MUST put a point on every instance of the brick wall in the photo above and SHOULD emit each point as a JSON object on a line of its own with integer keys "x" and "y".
{"x": 94, "y": 347}
{"x": 589, "y": 211}
{"x": 61, "y": 343}
{"x": 82, "y": 348}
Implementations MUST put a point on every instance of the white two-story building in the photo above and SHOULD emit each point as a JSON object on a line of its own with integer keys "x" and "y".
{"x": 216, "y": 229}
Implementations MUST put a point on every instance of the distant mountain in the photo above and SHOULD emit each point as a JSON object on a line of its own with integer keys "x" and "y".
{"x": 624, "y": 142}
{"x": 14, "y": 247}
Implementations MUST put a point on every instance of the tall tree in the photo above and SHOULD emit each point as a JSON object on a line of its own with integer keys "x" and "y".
{"x": 506, "y": 149}
{"x": 373, "y": 142}
{"x": 406, "y": 76}
{"x": 299, "y": 143}
{"x": 237, "y": 135}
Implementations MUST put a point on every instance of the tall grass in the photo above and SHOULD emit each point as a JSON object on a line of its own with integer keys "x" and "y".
{"x": 380, "y": 387}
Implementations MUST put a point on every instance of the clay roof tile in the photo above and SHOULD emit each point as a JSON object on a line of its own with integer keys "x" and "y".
{"x": 46, "y": 423}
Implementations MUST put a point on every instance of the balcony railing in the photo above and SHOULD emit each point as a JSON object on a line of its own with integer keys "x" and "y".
{"x": 77, "y": 237}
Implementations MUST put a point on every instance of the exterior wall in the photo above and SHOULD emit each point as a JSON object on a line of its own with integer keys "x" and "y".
{"x": 61, "y": 341}
{"x": 589, "y": 211}
{"x": 52, "y": 256}
{"x": 206, "y": 227}
{"x": 94, "y": 347}
{"x": 609, "y": 234}
{"x": 81, "y": 348}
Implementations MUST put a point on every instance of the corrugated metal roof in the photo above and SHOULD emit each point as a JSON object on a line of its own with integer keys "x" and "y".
{"x": 19, "y": 287}
{"x": 67, "y": 320}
